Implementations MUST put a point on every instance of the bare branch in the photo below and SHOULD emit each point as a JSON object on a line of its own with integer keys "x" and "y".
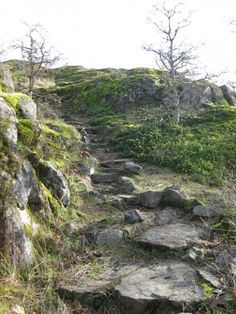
{"x": 36, "y": 52}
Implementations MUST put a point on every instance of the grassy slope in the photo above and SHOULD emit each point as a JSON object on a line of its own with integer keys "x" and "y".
{"x": 203, "y": 145}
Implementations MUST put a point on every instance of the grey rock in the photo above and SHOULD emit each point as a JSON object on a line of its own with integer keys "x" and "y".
{"x": 226, "y": 260}
{"x": 150, "y": 199}
{"x": 9, "y": 132}
{"x": 173, "y": 197}
{"x": 19, "y": 245}
{"x": 212, "y": 279}
{"x": 202, "y": 91}
{"x": 228, "y": 95}
{"x": 28, "y": 109}
{"x": 111, "y": 237}
{"x": 128, "y": 200}
{"x": 104, "y": 178}
{"x": 195, "y": 255}
{"x": 208, "y": 211}
{"x": 84, "y": 287}
{"x": 133, "y": 216}
{"x": 131, "y": 168}
{"x": 53, "y": 179}
{"x": 126, "y": 184}
{"x": 172, "y": 283}
{"x": 25, "y": 188}
{"x": 172, "y": 236}
{"x": 166, "y": 216}
{"x": 91, "y": 233}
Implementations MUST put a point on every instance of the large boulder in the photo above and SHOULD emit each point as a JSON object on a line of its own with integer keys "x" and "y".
{"x": 8, "y": 124}
{"x": 165, "y": 286}
{"x": 52, "y": 177}
{"x": 196, "y": 93}
{"x": 28, "y": 109}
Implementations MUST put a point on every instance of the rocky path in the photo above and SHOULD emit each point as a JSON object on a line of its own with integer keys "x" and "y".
{"x": 170, "y": 261}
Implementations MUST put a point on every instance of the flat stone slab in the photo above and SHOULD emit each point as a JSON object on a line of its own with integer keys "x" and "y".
{"x": 167, "y": 283}
{"x": 172, "y": 236}
{"x": 113, "y": 163}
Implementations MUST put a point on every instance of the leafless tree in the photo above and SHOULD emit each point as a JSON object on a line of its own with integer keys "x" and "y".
{"x": 36, "y": 52}
{"x": 173, "y": 54}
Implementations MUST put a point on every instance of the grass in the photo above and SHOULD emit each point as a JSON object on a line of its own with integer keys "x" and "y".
{"x": 202, "y": 146}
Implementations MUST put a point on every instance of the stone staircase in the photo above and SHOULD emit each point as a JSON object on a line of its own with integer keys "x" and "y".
{"x": 166, "y": 225}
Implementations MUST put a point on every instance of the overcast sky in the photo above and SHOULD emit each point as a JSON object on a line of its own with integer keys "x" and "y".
{"x": 110, "y": 33}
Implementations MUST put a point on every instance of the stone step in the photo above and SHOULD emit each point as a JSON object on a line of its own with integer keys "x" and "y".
{"x": 108, "y": 156}
{"x": 93, "y": 146}
{"x": 165, "y": 287}
{"x": 172, "y": 236}
{"x": 113, "y": 163}
{"x": 111, "y": 170}
{"x": 104, "y": 178}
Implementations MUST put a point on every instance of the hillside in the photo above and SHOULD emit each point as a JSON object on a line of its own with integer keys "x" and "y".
{"x": 109, "y": 207}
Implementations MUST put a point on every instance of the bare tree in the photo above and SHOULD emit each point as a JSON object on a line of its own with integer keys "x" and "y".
{"x": 172, "y": 55}
{"x": 36, "y": 53}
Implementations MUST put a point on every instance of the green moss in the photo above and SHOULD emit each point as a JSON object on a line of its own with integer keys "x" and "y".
{"x": 28, "y": 134}
{"x": 13, "y": 99}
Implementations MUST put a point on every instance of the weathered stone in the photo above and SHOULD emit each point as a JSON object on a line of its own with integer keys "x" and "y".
{"x": 208, "y": 211}
{"x": 52, "y": 178}
{"x": 212, "y": 279}
{"x": 172, "y": 236}
{"x": 195, "y": 255}
{"x": 85, "y": 287}
{"x": 25, "y": 188}
{"x": 133, "y": 216}
{"x": 226, "y": 260}
{"x": 199, "y": 92}
{"x": 104, "y": 178}
{"x": 131, "y": 168}
{"x": 8, "y": 122}
{"x": 111, "y": 237}
{"x": 113, "y": 163}
{"x": 150, "y": 199}
{"x": 173, "y": 197}
{"x": 128, "y": 200}
{"x": 126, "y": 184}
{"x": 166, "y": 216}
{"x": 19, "y": 245}
{"x": 28, "y": 109}
{"x": 172, "y": 283}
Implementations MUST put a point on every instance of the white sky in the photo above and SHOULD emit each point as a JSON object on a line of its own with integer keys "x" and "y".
{"x": 110, "y": 33}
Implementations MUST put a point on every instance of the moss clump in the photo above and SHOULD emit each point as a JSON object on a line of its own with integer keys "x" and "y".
{"x": 13, "y": 99}
{"x": 27, "y": 132}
